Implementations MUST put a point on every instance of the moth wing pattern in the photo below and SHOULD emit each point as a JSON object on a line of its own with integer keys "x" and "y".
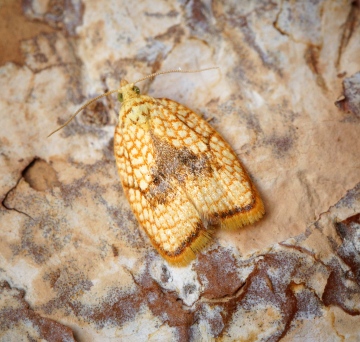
{"x": 181, "y": 178}
{"x": 160, "y": 205}
{"x": 224, "y": 195}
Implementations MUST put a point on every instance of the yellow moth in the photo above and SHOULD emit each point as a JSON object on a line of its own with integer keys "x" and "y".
{"x": 181, "y": 178}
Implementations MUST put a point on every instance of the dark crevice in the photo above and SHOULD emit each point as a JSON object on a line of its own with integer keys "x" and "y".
{"x": 225, "y": 298}
{"x": 23, "y": 176}
{"x": 275, "y": 23}
{"x": 14, "y": 209}
{"x": 349, "y": 28}
{"x": 28, "y": 167}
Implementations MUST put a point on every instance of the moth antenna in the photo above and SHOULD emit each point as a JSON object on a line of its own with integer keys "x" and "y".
{"x": 114, "y": 91}
{"x": 173, "y": 71}
{"x": 81, "y": 108}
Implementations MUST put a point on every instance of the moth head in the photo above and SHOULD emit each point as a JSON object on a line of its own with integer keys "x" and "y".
{"x": 127, "y": 91}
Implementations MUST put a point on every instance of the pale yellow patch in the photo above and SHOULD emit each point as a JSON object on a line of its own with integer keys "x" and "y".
{"x": 189, "y": 141}
{"x": 144, "y": 169}
{"x": 201, "y": 146}
{"x": 182, "y": 134}
{"x": 143, "y": 185}
{"x": 137, "y": 161}
{"x": 137, "y": 173}
{"x": 176, "y": 143}
{"x": 149, "y": 158}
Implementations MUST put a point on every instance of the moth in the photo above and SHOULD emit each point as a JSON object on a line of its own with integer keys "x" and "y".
{"x": 181, "y": 178}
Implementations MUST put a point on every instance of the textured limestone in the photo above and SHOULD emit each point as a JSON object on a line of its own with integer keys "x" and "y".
{"x": 69, "y": 240}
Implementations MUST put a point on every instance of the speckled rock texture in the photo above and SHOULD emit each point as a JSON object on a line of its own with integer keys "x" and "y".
{"x": 74, "y": 265}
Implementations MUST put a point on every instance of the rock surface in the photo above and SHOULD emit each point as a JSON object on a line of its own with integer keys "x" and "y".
{"x": 74, "y": 264}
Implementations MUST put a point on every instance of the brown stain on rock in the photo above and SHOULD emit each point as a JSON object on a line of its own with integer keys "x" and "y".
{"x": 64, "y": 15}
{"x": 96, "y": 114}
{"x": 263, "y": 287}
{"x": 19, "y": 22}
{"x": 115, "y": 250}
{"x": 166, "y": 306}
{"x": 342, "y": 286}
{"x": 277, "y": 286}
{"x": 349, "y": 27}
{"x": 262, "y": 291}
{"x": 116, "y": 307}
{"x": 40, "y": 175}
{"x": 312, "y": 58}
{"x": 174, "y": 33}
{"x": 339, "y": 292}
{"x": 14, "y": 28}
{"x": 15, "y": 313}
{"x": 212, "y": 269}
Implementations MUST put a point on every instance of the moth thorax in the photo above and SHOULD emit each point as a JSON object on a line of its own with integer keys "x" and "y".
{"x": 129, "y": 92}
{"x": 133, "y": 113}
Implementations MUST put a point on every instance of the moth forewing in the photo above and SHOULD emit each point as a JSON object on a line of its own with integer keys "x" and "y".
{"x": 181, "y": 178}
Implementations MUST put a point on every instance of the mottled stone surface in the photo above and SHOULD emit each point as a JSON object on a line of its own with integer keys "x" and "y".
{"x": 18, "y": 322}
{"x": 74, "y": 264}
